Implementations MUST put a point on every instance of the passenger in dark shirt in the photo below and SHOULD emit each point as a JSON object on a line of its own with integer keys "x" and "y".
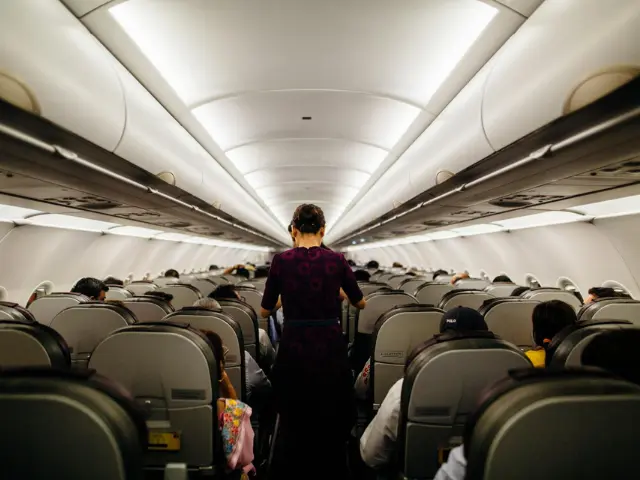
{"x": 311, "y": 378}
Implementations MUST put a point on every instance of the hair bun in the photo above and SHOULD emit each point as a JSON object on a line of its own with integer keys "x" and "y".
{"x": 308, "y": 218}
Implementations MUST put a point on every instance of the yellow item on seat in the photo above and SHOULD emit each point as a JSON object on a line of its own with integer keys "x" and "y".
{"x": 537, "y": 357}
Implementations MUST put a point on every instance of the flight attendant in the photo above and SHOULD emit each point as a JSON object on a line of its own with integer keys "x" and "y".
{"x": 312, "y": 382}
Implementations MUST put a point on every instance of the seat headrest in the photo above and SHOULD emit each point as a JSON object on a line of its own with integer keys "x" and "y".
{"x": 53, "y": 343}
{"x": 233, "y": 302}
{"x": 13, "y": 311}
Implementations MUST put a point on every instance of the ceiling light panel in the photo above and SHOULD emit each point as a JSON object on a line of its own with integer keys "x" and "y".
{"x": 540, "y": 220}
{"x": 477, "y": 229}
{"x": 9, "y": 213}
{"x": 618, "y": 206}
{"x": 69, "y": 222}
{"x": 135, "y": 232}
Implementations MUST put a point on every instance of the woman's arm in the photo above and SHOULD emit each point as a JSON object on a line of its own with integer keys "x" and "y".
{"x": 231, "y": 269}
{"x": 350, "y": 286}
{"x": 271, "y": 295}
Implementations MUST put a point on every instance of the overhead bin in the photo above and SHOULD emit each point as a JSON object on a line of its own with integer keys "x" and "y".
{"x": 67, "y": 71}
{"x": 563, "y": 45}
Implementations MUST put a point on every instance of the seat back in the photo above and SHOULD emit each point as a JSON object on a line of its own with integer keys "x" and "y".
{"x": 472, "y": 283}
{"x": 229, "y": 332}
{"x": 384, "y": 277}
{"x": 395, "y": 281}
{"x": 430, "y": 293}
{"x": 219, "y": 279}
{"x": 247, "y": 320}
{"x": 464, "y": 298}
{"x": 546, "y": 294}
{"x": 252, "y": 297}
{"x": 14, "y": 312}
{"x": 440, "y": 390}
{"x": 47, "y": 307}
{"x": 510, "y": 319}
{"x": 443, "y": 278}
{"x": 567, "y": 346}
{"x": 183, "y": 295}
{"x": 352, "y": 312}
{"x": 148, "y": 309}
{"x": 396, "y": 333}
{"x": 409, "y": 285}
{"x": 73, "y": 425}
{"x": 141, "y": 287}
{"x": 31, "y": 344}
{"x": 84, "y": 326}
{"x": 611, "y": 309}
{"x": 580, "y": 422}
{"x": 500, "y": 290}
{"x": 118, "y": 293}
{"x": 205, "y": 285}
{"x": 171, "y": 370}
{"x": 164, "y": 281}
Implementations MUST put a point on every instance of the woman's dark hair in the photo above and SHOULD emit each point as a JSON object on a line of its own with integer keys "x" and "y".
{"x": 308, "y": 218}
{"x": 549, "y": 318}
{"x": 218, "y": 351}
{"x": 502, "y": 279}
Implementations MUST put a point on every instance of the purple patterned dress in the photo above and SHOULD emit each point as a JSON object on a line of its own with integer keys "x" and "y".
{"x": 312, "y": 381}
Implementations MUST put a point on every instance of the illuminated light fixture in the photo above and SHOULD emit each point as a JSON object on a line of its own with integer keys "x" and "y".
{"x": 135, "y": 232}
{"x": 362, "y": 240}
{"x": 174, "y": 237}
{"x": 69, "y": 222}
{"x": 9, "y": 213}
{"x": 541, "y": 220}
{"x": 477, "y": 229}
{"x": 442, "y": 235}
{"x": 610, "y": 208}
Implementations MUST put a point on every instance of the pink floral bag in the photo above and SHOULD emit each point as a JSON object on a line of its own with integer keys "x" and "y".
{"x": 237, "y": 434}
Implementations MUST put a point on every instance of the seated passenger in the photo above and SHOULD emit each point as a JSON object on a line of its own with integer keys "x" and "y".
{"x": 438, "y": 273}
{"x": 91, "y": 287}
{"x": 362, "y": 275}
{"x": 373, "y": 265}
{"x": 502, "y": 279}
{"x": 459, "y": 276}
{"x": 258, "y": 385}
{"x": 518, "y": 291}
{"x": 378, "y": 442}
{"x": 397, "y": 265}
{"x": 548, "y": 319}
{"x": 114, "y": 281}
{"x": 597, "y": 293}
{"x": 235, "y": 425}
{"x": 171, "y": 273}
{"x": 213, "y": 267}
{"x": 239, "y": 270}
{"x": 261, "y": 272}
{"x": 167, "y": 297}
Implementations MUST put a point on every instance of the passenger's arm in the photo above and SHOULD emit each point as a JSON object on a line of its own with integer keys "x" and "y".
{"x": 350, "y": 286}
{"x": 271, "y": 293}
{"x": 456, "y": 466}
{"x": 378, "y": 443}
{"x": 229, "y": 270}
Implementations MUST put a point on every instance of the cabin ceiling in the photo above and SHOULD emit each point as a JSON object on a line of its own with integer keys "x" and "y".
{"x": 304, "y": 100}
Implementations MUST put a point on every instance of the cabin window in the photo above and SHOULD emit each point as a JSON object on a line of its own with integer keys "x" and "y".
{"x": 617, "y": 286}
{"x": 45, "y": 288}
{"x": 4, "y": 295}
{"x": 531, "y": 281}
{"x": 569, "y": 285}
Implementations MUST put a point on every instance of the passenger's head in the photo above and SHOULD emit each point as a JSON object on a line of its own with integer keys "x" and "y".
{"x": 308, "y": 221}
{"x": 463, "y": 319}
{"x": 261, "y": 272}
{"x": 219, "y": 350}
{"x": 213, "y": 267}
{"x": 617, "y": 351}
{"x": 549, "y": 318}
{"x": 208, "y": 304}
{"x": 171, "y": 273}
{"x": 167, "y": 297}
{"x": 91, "y": 287}
{"x": 502, "y": 279}
{"x": 397, "y": 265}
{"x": 439, "y": 272}
{"x": 410, "y": 274}
{"x": 242, "y": 272}
{"x": 362, "y": 275}
{"x": 113, "y": 281}
{"x": 596, "y": 293}
{"x": 459, "y": 276}
{"x": 226, "y": 291}
{"x": 519, "y": 291}
{"x": 373, "y": 265}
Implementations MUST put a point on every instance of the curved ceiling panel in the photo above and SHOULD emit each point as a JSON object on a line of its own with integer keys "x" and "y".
{"x": 309, "y": 152}
{"x": 341, "y": 194}
{"x": 321, "y": 175}
{"x": 259, "y": 116}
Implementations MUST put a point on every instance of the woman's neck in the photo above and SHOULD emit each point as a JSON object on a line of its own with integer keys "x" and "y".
{"x": 309, "y": 241}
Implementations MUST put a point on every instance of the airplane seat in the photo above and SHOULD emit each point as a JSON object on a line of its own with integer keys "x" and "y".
{"x": 69, "y": 425}
{"x": 500, "y": 290}
{"x": 440, "y": 390}
{"x": 385, "y": 277}
{"x": 545, "y": 294}
{"x": 396, "y": 333}
{"x": 367, "y": 288}
{"x": 377, "y": 304}
{"x": 567, "y": 346}
{"x": 230, "y": 333}
{"x": 31, "y": 344}
{"x": 205, "y": 285}
{"x": 471, "y": 284}
{"x": 13, "y": 311}
{"x": 395, "y": 281}
{"x": 84, "y": 326}
{"x": 47, "y": 307}
{"x": 219, "y": 279}
{"x": 510, "y": 319}
{"x": 577, "y": 423}
{"x": 430, "y": 293}
{"x": 247, "y": 320}
{"x": 252, "y": 297}
{"x": 464, "y": 298}
{"x": 410, "y": 284}
{"x": 443, "y": 279}
{"x": 233, "y": 279}
{"x": 140, "y": 287}
{"x": 148, "y": 309}
{"x": 117, "y": 293}
{"x": 612, "y": 309}
{"x": 171, "y": 371}
{"x": 164, "y": 281}
{"x": 183, "y": 295}
{"x": 258, "y": 283}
